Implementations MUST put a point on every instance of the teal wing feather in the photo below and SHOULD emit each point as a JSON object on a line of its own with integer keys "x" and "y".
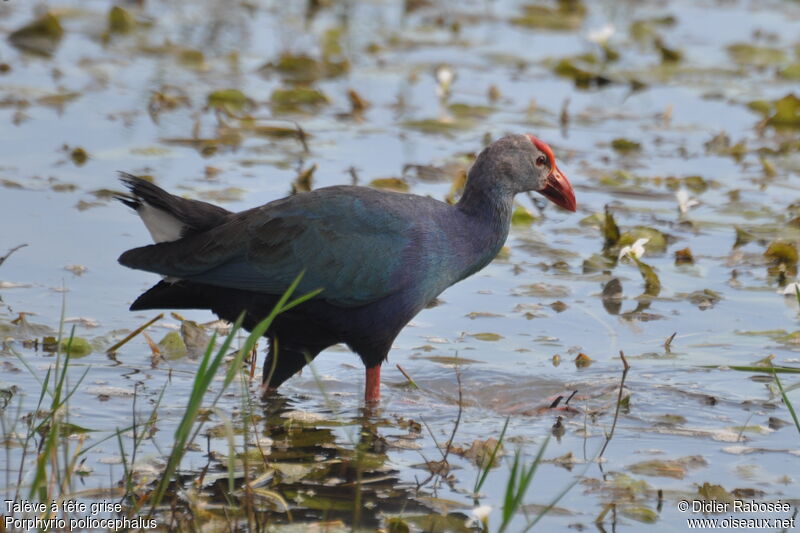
{"x": 350, "y": 245}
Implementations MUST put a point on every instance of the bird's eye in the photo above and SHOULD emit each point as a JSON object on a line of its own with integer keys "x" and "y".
{"x": 541, "y": 160}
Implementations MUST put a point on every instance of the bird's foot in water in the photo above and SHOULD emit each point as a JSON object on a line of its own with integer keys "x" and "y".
{"x": 265, "y": 391}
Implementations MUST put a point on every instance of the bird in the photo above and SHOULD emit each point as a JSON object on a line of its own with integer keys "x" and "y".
{"x": 379, "y": 257}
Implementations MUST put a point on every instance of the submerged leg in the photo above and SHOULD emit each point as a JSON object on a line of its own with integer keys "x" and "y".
{"x": 372, "y": 388}
{"x": 283, "y": 362}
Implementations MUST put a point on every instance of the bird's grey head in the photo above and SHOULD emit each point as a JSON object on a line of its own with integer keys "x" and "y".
{"x": 520, "y": 163}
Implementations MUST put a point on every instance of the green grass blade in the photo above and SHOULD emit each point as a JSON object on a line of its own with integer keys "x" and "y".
{"x": 787, "y": 402}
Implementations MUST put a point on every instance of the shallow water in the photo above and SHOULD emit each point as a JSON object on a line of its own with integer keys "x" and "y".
{"x": 678, "y": 408}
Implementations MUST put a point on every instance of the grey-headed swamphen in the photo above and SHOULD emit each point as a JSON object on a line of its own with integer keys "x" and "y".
{"x": 380, "y": 257}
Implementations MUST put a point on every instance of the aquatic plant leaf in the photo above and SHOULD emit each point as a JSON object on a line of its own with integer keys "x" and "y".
{"x": 684, "y": 256}
{"x": 439, "y": 126}
{"x": 786, "y": 112}
{"x": 704, "y": 299}
{"x": 673, "y": 468}
{"x": 451, "y": 523}
{"x": 480, "y": 452}
{"x": 470, "y": 111}
{"x": 610, "y": 231}
{"x": 598, "y": 263}
{"x": 707, "y": 491}
{"x": 656, "y": 239}
{"x": 76, "y": 347}
{"x": 640, "y": 513}
{"x": 231, "y": 100}
{"x": 172, "y": 346}
{"x": 625, "y": 146}
{"x": 195, "y": 338}
{"x": 760, "y": 56}
{"x": 40, "y": 36}
{"x": 298, "y": 99}
{"x": 652, "y": 285}
{"x": 566, "y": 15}
{"x": 490, "y": 337}
{"x": 792, "y": 72}
{"x": 522, "y": 216}
{"x": 782, "y": 252}
{"x": 391, "y": 184}
{"x": 301, "y": 68}
{"x": 120, "y": 21}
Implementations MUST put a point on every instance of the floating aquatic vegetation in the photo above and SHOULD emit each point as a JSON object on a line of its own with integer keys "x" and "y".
{"x": 41, "y": 36}
{"x": 781, "y": 113}
{"x": 298, "y": 99}
{"x": 120, "y": 20}
{"x": 229, "y": 100}
{"x": 625, "y": 146}
{"x": 306, "y": 69}
{"x": 755, "y": 55}
{"x": 392, "y": 184}
{"x": 566, "y": 15}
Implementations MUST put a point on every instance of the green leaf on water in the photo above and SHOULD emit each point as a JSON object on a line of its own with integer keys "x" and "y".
{"x": 565, "y": 15}
{"x": 231, "y": 100}
{"x": 657, "y": 240}
{"x": 467, "y": 111}
{"x": 298, "y": 99}
{"x": 786, "y": 112}
{"x": 40, "y": 36}
{"x": 707, "y": 491}
{"x": 640, "y": 513}
{"x": 76, "y": 347}
{"x": 610, "y": 230}
{"x": 674, "y": 468}
{"x": 625, "y": 146}
{"x": 120, "y": 21}
{"x": 439, "y": 126}
{"x": 391, "y": 184}
{"x": 522, "y": 216}
{"x": 652, "y": 285}
{"x": 487, "y": 336}
{"x": 172, "y": 346}
{"x": 760, "y": 56}
{"x": 782, "y": 252}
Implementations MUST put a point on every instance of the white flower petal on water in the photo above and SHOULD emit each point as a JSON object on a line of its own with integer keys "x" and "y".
{"x": 635, "y": 250}
{"x": 482, "y": 512}
{"x": 601, "y": 35}
{"x": 790, "y": 289}
{"x": 685, "y": 202}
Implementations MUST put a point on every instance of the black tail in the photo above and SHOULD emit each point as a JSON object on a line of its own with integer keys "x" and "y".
{"x": 165, "y": 295}
{"x": 196, "y": 215}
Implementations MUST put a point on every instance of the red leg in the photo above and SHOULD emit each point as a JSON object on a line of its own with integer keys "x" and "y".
{"x": 372, "y": 390}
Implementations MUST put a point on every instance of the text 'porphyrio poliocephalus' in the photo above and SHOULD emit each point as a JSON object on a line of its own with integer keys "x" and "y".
{"x": 380, "y": 257}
